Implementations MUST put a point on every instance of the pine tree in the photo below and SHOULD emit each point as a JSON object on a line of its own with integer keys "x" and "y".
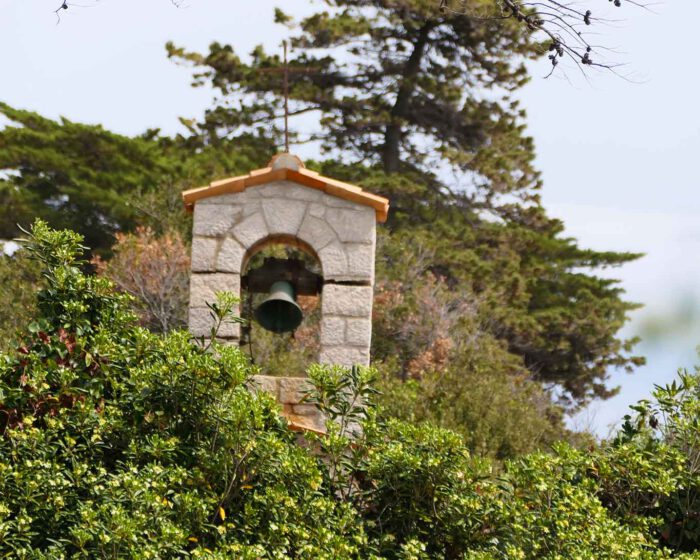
{"x": 396, "y": 84}
{"x": 96, "y": 182}
{"x": 419, "y": 105}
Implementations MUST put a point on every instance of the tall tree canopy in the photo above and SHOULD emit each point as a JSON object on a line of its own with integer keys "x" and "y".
{"x": 96, "y": 182}
{"x": 400, "y": 85}
{"x": 415, "y": 103}
{"x": 419, "y": 104}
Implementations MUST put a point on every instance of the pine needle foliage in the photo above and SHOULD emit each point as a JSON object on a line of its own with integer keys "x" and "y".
{"x": 420, "y": 105}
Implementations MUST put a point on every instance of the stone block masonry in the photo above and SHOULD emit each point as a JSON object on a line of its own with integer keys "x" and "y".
{"x": 289, "y": 393}
{"x": 335, "y": 222}
{"x": 230, "y": 228}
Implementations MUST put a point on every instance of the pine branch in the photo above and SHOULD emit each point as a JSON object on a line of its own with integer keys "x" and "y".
{"x": 562, "y": 24}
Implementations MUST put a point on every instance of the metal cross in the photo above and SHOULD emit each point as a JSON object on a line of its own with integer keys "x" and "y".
{"x": 286, "y": 99}
{"x": 285, "y": 87}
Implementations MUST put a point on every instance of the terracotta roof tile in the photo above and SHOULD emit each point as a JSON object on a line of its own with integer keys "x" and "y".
{"x": 290, "y": 168}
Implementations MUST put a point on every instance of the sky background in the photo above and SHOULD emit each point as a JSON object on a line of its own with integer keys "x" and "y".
{"x": 619, "y": 157}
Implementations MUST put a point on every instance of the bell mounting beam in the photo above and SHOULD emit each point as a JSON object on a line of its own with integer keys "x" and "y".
{"x": 261, "y": 279}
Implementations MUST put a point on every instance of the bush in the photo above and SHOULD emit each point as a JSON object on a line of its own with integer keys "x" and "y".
{"x": 19, "y": 278}
{"x": 668, "y": 425}
{"x": 120, "y": 443}
{"x": 439, "y": 362}
{"x": 155, "y": 270}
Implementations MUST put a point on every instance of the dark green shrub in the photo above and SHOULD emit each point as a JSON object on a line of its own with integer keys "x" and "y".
{"x": 669, "y": 425}
{"x": 19, "y": 277}
{"x": 119, "y": 443}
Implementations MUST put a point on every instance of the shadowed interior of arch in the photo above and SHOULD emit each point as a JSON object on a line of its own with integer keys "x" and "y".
{"x": 285, "y": 354}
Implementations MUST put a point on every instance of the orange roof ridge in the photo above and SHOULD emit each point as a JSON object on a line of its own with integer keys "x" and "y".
{"x": 282, "y": 168}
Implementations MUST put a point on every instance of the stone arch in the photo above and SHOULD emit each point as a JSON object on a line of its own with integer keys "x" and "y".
{"x": 340, "y": 234}
{"x": 334, "y": 221}
{"x": 281, "y": 239}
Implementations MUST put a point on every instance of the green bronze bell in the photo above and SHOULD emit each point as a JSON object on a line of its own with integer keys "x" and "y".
{"x": 279, "y": 312}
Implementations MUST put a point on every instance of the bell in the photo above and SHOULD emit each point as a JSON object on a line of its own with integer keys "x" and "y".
{"x": 279, "y": 312}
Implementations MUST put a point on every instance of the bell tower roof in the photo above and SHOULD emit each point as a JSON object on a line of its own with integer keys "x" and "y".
{"x": 288, "y": 167}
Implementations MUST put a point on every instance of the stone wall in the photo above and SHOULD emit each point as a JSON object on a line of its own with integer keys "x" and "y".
{"x": 230, "y": 228}
{"x": 289, "y": 392}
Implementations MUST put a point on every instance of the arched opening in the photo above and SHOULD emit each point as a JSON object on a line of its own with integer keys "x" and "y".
{"x": 285, "y": 354}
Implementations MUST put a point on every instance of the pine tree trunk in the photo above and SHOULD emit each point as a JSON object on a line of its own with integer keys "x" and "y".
{"x": 394, "y": 130}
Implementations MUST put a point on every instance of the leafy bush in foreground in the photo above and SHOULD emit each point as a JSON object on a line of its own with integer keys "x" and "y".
{"x": 119, "y": 443}
{"x": 19, "y": 276}
{"x": 155, "y": 270}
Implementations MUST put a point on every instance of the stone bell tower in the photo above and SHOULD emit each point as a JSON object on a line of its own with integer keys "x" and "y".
{"x": 286, "y": 203}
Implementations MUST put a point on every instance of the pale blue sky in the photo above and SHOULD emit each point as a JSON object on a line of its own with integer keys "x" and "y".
{"x": 619, "y": 158}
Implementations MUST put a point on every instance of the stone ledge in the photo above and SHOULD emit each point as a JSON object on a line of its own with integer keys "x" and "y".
{"x": 293, "y": 389}
{"x": 220, "y": 340}
{"x": 267, "y": 383}
{"x": 289, "y": 392}
{"x": 306, "y": 416}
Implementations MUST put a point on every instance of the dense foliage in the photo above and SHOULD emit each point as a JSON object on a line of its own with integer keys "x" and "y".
{"x": 96, "y": 182}
{"x": 419, "y": 105}
{"x": 479, "y": 293}
{"x": 19, "y": 278}
{"x": 119, "y": 443}
{"x": 440, "y": 362}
